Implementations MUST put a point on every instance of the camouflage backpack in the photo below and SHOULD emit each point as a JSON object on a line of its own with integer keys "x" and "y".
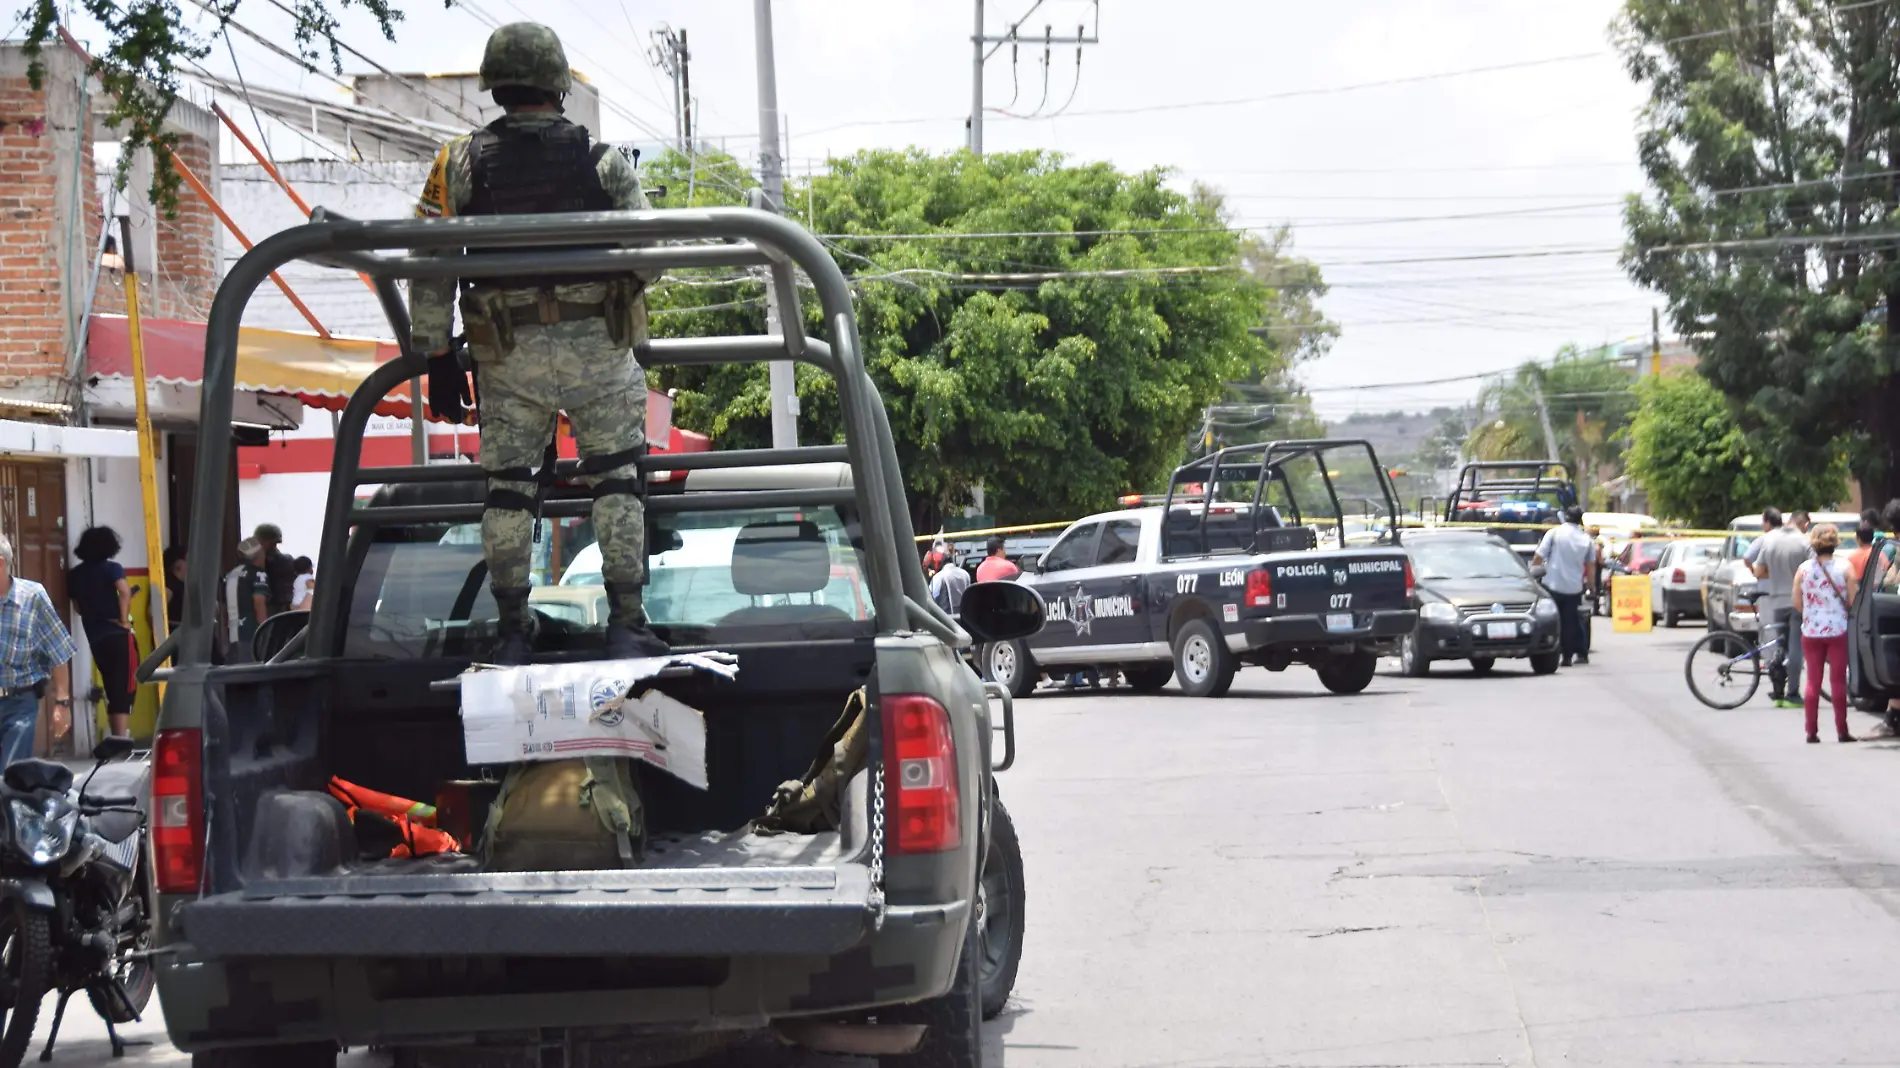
{"x": 815, "y": 803}
{"x": 565, "y": 815}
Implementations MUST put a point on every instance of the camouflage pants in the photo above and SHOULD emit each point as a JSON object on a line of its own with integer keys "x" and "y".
{"x": 572, "y": 367}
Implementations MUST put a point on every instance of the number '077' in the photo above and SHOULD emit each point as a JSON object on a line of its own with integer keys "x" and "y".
{"x": 1342, "y": 600}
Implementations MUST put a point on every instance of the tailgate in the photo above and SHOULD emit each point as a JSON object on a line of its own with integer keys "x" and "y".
{"x": 649, "y": 912}
{"x": 1355, "y": 580}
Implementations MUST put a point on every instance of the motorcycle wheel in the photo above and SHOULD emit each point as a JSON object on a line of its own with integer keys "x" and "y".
{"x": 26, "y": 970}
{"x": 135, "y": 976}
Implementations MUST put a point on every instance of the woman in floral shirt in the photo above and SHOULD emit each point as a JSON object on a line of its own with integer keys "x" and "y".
{"x": 1822, "y": 590}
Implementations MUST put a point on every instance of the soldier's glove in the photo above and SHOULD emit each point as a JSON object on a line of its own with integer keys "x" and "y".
{"x": 449, "y": 395}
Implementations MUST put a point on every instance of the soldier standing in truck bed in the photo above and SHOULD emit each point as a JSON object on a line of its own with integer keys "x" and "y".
{"x": 543, "y": 344}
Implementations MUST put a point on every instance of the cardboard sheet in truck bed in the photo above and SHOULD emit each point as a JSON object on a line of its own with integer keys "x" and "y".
{"x": 596, "y": 708}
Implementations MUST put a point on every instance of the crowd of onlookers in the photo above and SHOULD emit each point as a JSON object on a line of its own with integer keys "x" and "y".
{"x": 36, "y": 649}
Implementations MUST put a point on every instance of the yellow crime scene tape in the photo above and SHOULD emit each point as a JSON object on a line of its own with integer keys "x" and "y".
{"x": 1404, "y": 524}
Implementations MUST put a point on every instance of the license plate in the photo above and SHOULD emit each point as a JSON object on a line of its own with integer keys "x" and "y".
{"x": 1339, "y": 621}
{"x": 1496, "y": 631}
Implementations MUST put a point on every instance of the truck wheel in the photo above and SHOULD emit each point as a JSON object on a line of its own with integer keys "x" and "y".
{"x": 1010, "y": 665}
{"x": 1349, "y": 674}
{"x": 953, "y": 1023}
{"x": 999, "y": 915}
{"x": 307, "y": 1055}
{"x": 1544, "y": 663}
{"x": 1202, "y": 660}
{"x": 1671, "y": 617}
{"x": 1413, "y": 663}
{"x": 1148, "y": 678}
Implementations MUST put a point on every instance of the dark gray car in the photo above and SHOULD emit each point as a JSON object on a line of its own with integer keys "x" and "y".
{"x": 1477, "y": 602}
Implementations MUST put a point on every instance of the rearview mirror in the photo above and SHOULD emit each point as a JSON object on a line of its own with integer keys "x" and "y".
{"x": 1032, "y": 565}
{"x": 275, "y": 633}
{"x": 1001, "y": 611}
{"x": 112, "y": 747}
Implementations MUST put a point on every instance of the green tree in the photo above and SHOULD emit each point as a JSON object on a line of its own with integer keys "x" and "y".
{"x": 1692, "y": 456}
{"x": 1055, "y": 394}
{"x": 1770, "y": 139}
{"x": 1589, "y": 399}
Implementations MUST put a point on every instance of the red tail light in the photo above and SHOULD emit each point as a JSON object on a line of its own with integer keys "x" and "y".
{"x": 1259, "y": 588}
{"x": 1411, "y": 584}
{"x": 920, "y": 776}
{"x": 178, "y": 821}
{"x": 1678, "y": 576}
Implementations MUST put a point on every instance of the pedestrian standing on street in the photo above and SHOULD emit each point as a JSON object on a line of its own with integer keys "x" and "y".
{"x": 175, "y": 586}
{"x": 1774, "y": 557}
{"x": 103, "y": 599}
{"x": 280, "y": 571}
{"x": 304, "y": 586}
{"x": 1856, "y": 561}
{"x": 947, "y": 586}
{"x": 35, "y": 654}
{"x": 1821, "y": 589}
{"x": 1566, "y": 553}
{"x": 244, "y": 603}
{"x": 996, "y": 567}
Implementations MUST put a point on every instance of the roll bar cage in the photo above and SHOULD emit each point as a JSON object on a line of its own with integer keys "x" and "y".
{"x": 1261, "y": 463}
{"x": 392, "y": 249}
{"x": 1553, "y": 475}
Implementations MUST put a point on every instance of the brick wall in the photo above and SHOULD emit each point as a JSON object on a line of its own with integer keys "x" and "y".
{"x": 46, "y": 254}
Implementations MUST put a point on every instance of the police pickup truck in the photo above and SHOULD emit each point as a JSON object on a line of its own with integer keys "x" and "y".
{"x": 1226, "y": 571}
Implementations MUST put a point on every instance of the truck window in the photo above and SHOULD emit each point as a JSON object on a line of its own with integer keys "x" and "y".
{"x": 423, "y": 588}
{"x": 1120, "y": 539}
{"x": 1076, "y": 549}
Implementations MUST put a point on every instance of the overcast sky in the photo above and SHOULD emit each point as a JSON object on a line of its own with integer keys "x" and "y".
{"x": 1540, "y": 152}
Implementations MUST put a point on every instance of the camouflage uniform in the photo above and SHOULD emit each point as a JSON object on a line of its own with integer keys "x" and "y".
{"x": 574, "y": 366}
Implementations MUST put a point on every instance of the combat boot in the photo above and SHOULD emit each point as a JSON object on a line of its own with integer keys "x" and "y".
{"x": 511, "y": 628}
{"x": 628, "y": 637}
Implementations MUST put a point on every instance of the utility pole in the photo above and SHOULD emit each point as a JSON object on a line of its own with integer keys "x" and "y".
{"x": 1655, "y": 342}
{"x": 669, "y": 51}
{"x": 772, "y": 176}
{"x": 1543, "y": 417}
{"x": 979, "y": 57}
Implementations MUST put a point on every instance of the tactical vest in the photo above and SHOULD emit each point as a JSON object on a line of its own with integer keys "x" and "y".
{"x": 536, "y": 169}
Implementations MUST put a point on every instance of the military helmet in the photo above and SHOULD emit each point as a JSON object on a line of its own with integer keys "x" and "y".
{"x": 525, "y": 54}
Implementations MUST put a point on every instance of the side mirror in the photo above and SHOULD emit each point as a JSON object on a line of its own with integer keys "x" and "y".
{"x": 1000, "y": 611}
{"x": 275, "y": 633}
{"x": 112, "y": 747}
{"x": 1031, "y": 565}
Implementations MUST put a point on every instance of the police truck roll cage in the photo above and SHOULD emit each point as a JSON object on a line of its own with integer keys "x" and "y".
{"x": 1534, "y": 478}
{"x": 1264, "y": 463}
{"x": 466, "y": 248}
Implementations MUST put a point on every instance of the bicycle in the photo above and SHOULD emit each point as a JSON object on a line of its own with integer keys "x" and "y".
{"x": 1731, "y": 669}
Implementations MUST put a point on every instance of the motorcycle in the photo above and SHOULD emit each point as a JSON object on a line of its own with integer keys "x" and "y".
{"x": 75, "y": 896}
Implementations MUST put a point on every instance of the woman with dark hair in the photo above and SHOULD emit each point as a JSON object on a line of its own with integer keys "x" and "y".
{"x": 104, "y": 601}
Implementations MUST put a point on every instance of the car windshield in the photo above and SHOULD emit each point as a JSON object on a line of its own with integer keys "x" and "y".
{"x": 1462, "y": 558}
{"x": 423, "y": 590}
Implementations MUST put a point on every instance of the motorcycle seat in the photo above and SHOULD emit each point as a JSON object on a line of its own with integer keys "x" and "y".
{"x": 122, "y": 779}
{"x": 116, "y": 827}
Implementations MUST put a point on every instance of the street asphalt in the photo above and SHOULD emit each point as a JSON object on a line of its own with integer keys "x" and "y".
{"x": 1589, "y": 868}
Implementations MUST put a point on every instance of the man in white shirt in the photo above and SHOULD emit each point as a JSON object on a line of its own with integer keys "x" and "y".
{"x": 1774, "y": 557}
{"x": 1565, "y": 553}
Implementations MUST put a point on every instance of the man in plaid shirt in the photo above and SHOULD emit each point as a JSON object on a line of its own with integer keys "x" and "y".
{"x": 34, "y": 653}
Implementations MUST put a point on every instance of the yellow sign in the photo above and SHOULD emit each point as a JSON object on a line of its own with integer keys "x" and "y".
{"x": 1630, "y": 605}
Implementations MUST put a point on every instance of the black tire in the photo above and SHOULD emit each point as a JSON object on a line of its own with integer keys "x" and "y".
{"x": 1413, "y": 664}
{"x": 136, "y": 977}
{"x": 953, "y": 1023}
{"x": 1892, "y": 716}
{"x": 1723, "y": 670}
{"x": 1671, "y": 617}
{"x": 26, "y": 952}
{"x": 1346, "y": 675}
{"x": 1874, "y": 705}
{"x": 1010, "y": 665}
{"x": 303, "y": 1055}
{"x": 1482, "y": 665}
{"x": 1000, "y": 920}
{"x": 1148, "y": 678}
{"x": 1202, "y": 662}
{"x": 1544, "y": 663}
